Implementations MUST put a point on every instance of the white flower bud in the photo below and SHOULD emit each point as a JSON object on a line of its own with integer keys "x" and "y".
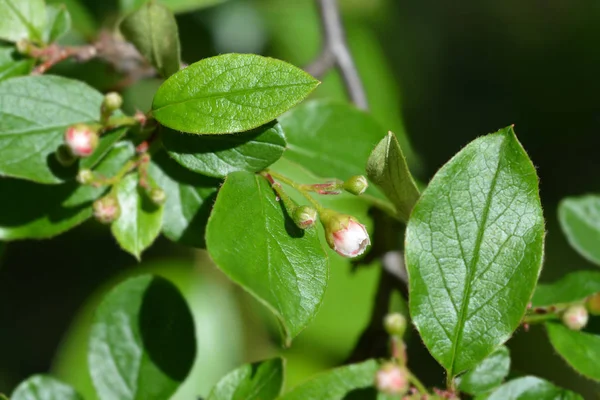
{"x": 107, "y": 209}
{"x": 392, "y": 379}
{"x": 304, "y": 216}
{"x": 344, "y": 233}
{"x": 81, "y": 139}
{"x": 395, "y": 324}
{"x": 575, "y": 317}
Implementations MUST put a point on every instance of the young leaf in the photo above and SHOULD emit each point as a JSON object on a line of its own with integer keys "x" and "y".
{"x": 387, "y": 168}
{"x": 339, "y": 383}
{"x": 140, "y": 221}
{"x": 230, "y": 93}
{"x": 332, "y": 140}
{"x": 35, "y": 111}
{"x": 153, "y": 31}
{"x": 258, "y": 381}
{"x": 574, "y": 287}
{"x": 58, "y": 22}
{"x": 257, "y": 245}
{"x": 11, "y": 65}
{"x": 580, "y": 221}
{"x": 63, "y": 207}
{"x": 474, "y": 247}
{"x": 190, "y": 198}
{"x": 488, "y": 374}
{"x": 531, "y": 388}
{"x": 41, "y": 387}
{"x": 580, "y": 350}
{"x": 142, "y": 343}
{"x": 22, "y": 20}
{"x": 218, "y": 156}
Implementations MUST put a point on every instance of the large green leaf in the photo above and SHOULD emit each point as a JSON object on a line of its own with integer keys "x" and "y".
{"x": 258, "y": 246}
{"x": 58, "y": 24}
{"x": 488, "y": 374}
{"x": 580, "y": 220}
{"x": 337, "y": 384}
{"x": 177, "y": 6}
{"x": 332, "y": 140}
{"x": 388, "y": 169}
{"x": 142, "y": 343}
{"x": 574, "y": 287}
{"x": 153, "y": 31}
{"x": 140, "y": 220}
{"x": 580, "y": 350}
{"x": 230, "y": 93}
{"x": 190, "y": 198}
{"x": 474, "y": 247}
{"x": 35, "y": 111}
{"x": 220, "y": 155}
{"x": 22, "y": 19}
{"x": 63, "y": 207}
{"x": 41, "y": 387}
{"x": 11, "y": 65}
{"x": 258, "y": 381}
{"x": 531, "y": 388}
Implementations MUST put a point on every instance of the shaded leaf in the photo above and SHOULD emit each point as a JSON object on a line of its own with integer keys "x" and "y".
{"x": 218, "y": 156}
{"x": 252, "y": 240}
{"x": 258, "y": 381}
{"x": 153, "y": 31}
{"x": 142, "y": 342}
{"x": 337, "y": 384}
{"x": 488, "y": 374}
{"x": 81, "y": 17}
{"x": 22, "y": 20}
{"x": 58, "y": 23}
{"x": 579, "y": 218}
{"x": 177, "y": 6}
{"x": 41, "y": 387}
{"x": 140, "y": 220}
{"x": 387, "y": 168}
{"x": 11, "y": 65}
{"x": 230, "y": 93}
{"x": 531, "y": 388}
{"x": 474, "y": 247}
{"x": 574, "y": 287}
{"x": 580, "y": 350}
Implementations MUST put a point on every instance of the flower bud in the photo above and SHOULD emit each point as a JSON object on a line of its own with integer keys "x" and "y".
{"x": 82, "y": 140}
{"x": 575, "y": 317}
{"x": 64, "y": 155}
{"x": 593, "y": 304}
{"x": 23, "y": 46}
{"x": 304, "y": 216}
{"x": 112, "y": 101}
{"x": 392, "y": 379}
{"x": 158, "y": 196}
{"x": 107, "y": 209}
{"x": 344, "y": 233}
{"x": 85, "y": 176}
{"x": 356, "y": 185}
{"x": 395, "y": 324}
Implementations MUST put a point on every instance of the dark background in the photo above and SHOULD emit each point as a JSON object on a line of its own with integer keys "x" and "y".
{"x": 440, "y": 73}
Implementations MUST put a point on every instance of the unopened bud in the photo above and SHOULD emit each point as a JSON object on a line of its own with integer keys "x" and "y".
{"x": 392, "y": 379}
{"x": 107, "y": 209}
{"x": 85, "y": 176}
{"x": 112, "y": 101}
{"x": 304, "y": 216}
{"x": 23, "y": 46}
{"x": 64, "y": 155}
{"x": 82, "y": 140}
{"x": 344, "y": 233}
{"x": 356, "y": 185}
{"x": 158, "y": 196}
{"x": 593, "y": 304}
{"x": 395, "y": 324}
{"x": 575, "y": 317}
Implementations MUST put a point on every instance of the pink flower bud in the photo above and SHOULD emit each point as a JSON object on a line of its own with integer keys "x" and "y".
{"x": 81, "y": 139}
{"x": 304, "y": 216}
{"x": 575, "y": 317}
{"x": 392, "y": 379}
{"x": 344, "y": 233}
{"x": 107, "y": 209}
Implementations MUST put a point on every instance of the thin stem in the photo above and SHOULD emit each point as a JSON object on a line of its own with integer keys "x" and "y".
{"x": 417, "y": 383}
{"x": 539, "y": 318}
{"x": 296, "y": 186}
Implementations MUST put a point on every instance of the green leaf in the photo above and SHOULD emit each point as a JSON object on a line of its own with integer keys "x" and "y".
{"x": 190, "y": 198}
{"x": 258, "y": 381}
{"x": 142, "y": 342}
{"x": 474, "y": 247}
{"x": 337, "y": 384}
{"x": 251, "y": 239}
{"x": 218, "y": 156}
{"x": 580, "y": 221}
{"x": 35, "y": 111}
{"x": 488, "y": 374}
{"x": 230, "y": 93}
{"x": 332, "y": 140}
{"x": 41, "y": 387}
{"x": 177, "y": 6}
{"x": 11, "y": 65}
{"x": 580, "y": 350}
{"x": 58, "y": 23}
{"x": 572, "y": 288}
{"x": 531, "y": 388}
{"x": 81, "y": 17}
{"x": 106, "y": 142}
{"x": 140, "y": 220}
{"x": 22, "y": 20}
{"x": 387, "y": 168}
{"x": 63, "y": 207}
{"x": 153, "y": 31}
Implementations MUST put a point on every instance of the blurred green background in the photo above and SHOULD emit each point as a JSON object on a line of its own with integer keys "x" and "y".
{"x": 437, "y": 73}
